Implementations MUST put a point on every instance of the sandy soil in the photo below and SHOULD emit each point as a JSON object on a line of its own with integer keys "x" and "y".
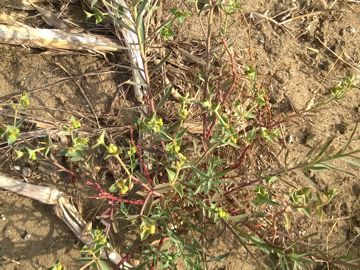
{"x": 299, "y": 55}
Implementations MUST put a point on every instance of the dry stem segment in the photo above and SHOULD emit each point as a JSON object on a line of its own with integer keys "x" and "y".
{"x": 69, "y": 214}
{"x": 56, "y": 39}
{"x": 40, "y": 193}
{"x": 126, "y": 26}
{"x": 21, "y": 4}
{"x": 8, "y": 19}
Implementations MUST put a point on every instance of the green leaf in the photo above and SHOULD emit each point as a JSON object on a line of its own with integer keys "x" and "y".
{"x": 249, "y": 115}
{"x": 88, "y": 14}
{"x": 139, "y": 23}
{"x": 250, "y": 72}
{"x": 270, "y": 180}
{"x": 238, "y": 218}
{"x": 167, "y": 32}
{"x": 219, "y": 258}
{"x": 143, "y": 8}
{"x": 171, "y": 175}
{"x": 146, "y": 209}
{"x": 283, "y": 263}
{"x": 179, "y": 189}
{"x": 162, "y": 188}
{"x": 102, "y": 265}
{"x": 93, "y": 2}
{"x": 12, "y": 134}
{"x": 332, "y": 167}
{"x": 263, "y": 197}
{"x": 144, "y": 234}
{"x": 343, "y": 87}
{"x": 318, "y": 167}
{"x": 31, "y": 154}
{"x": 49, "y": 145}
{"x": 324, "y": 147}
{"x": 179, "y": 15}
{"x": 260, "y": 99}
{"x": 99, "y": 16}
{"x": 286, "y": 158}
{"x": 113, "y": 188}
{"x": 251, "y": 135}
{"x": 350, "y": 138}
{"x": 80, "y": 143}
{"x": 101, "y": 140}
{"x": 306, "y": 211}
{"x": 260, "y": 243}
{"x": 301, "y": 197}
{"x": 19, "y": 154}
{"x": 74, "y": 154}
{"x": 231, "y": 6}
{"x": 300, "y": 257}
{"x": 57, "y": 266}
{"x": 351, "y": 162}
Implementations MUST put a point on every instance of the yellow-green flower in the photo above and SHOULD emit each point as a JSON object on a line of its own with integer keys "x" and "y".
{"x": 132, "y": 150}
{"x": 173, "y": 147}
{"x": 152, "y": 229}
{"x": 146, "y": 229}
{"x": 123, "y": 188}
{"x": 183, "y": 112}
{"x": 75, "y": 124}
{"x": 222, "y": 213}
{"x": 99, "y": 237}
{"x": 158, "y": 123}
{"x": 233, "y": 139}
{"x": 24, "y": 100}
{"x": 112, "y": 149}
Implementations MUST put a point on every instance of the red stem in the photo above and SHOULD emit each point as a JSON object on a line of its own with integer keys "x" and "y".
{"x": 105, "y": 195}
{"x": 123, "y": 260}
{"x": 207, "y": 135}
{"x": 242, "y": 186}
{"x": 143, "y": 165}
{"x": 241, "y": 159}
{"x": 141, "y": 160}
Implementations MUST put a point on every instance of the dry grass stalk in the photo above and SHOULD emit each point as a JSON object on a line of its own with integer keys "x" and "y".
{"x": 56, "y": 39}
{"x": 132, "y": 43}
{"x": 22, "y": 4}
{"x": 8, "y": 19}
